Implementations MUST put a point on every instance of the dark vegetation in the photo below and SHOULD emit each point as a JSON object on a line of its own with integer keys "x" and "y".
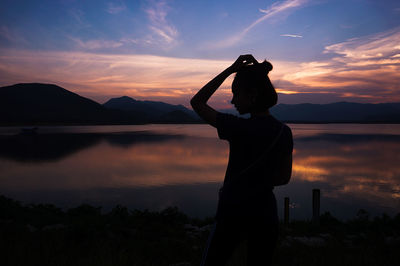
{"x": 46, "y": 235}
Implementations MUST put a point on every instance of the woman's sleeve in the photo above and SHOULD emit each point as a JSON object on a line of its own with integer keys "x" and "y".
{"x": 228, "y": 126}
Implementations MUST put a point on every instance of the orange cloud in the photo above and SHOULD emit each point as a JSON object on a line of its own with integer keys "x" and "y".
{"x": 364, "y": 69}
{"x": 110, "y": 75}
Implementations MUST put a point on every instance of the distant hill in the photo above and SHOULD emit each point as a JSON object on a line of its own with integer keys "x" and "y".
{"x": 176, "y": 116}
{"x": 340, "y": 112}
{"x": 36, "y": 103}
{"x": 153, "y": 111}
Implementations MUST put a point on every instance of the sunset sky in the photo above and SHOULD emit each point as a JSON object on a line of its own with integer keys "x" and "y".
{"x": 322, "y": 50}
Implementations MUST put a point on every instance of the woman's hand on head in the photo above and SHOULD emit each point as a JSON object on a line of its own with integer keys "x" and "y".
{"x": 242, "y": 61}
{"x": 199, "y": 101}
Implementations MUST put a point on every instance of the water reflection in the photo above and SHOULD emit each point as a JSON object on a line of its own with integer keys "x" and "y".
{"x": 40, "y": 148}
{"x": 159, "y": 168}
{"x": 352, "y": 169}
{"x": 53, "y": 147}
{"x": 119, "y": 161}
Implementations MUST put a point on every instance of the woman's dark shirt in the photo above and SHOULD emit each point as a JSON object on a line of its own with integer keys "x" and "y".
{"x": 248, "y": 194}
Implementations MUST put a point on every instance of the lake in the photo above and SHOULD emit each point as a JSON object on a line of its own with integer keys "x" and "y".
{"x": 356, "y": 166}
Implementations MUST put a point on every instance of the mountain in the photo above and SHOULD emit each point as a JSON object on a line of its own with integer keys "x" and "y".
{"x": 153, "y": 111}
{"x": 340, "y": 112}
{"x": 36, "y": 103}
{"x": 177, "y": 116}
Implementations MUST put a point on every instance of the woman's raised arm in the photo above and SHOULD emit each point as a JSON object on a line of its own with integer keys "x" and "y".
{"x": 199, "y": 100}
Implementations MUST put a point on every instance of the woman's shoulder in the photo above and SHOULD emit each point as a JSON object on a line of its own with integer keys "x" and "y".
{"x": 226, "y": 118}
{"x": 255, "y": 126}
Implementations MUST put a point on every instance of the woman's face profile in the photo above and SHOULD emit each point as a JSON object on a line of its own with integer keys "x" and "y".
{"x": 241, "y": 99}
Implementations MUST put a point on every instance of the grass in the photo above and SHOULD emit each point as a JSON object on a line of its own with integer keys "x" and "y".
{"x": 46, "y": 235}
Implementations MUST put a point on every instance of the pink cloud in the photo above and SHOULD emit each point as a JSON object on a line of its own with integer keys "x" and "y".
{"x": 366, "y": 68}
{"x": 363, "y": 70}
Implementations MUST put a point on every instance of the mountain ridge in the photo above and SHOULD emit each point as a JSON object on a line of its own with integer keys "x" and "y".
{"x": 38, "y": 103}
{"x": 44, "y": 104}
{"x": 339, "y": 112}
{"x": 153, "y": 110}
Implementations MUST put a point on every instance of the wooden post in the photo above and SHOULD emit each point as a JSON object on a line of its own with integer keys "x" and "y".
{"x": 316, "y": 197}
{"x": 286, "y": 211}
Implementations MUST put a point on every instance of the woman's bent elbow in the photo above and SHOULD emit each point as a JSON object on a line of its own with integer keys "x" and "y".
{"x": 196, "y": 105}
{"x": 193, "y": 102}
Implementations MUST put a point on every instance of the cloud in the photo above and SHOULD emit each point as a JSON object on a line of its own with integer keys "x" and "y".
{"x": 105, "y": 75}
{"x": 103, "y": 45}
{"x": 292, "y": 35}
{"x": 279, "y": 7}
{"x": 159, "y": 25}
{"x": 78, "y": 17}
{"x": 114, "y": 8}
{"x": 272, "y": 11}
{"x": 96, "y": 44}
{"x": 276, "y": 9}
{"x": 12, "y": 36}
{"x": 365, "y": 68}
{"x": 376, "y": 46}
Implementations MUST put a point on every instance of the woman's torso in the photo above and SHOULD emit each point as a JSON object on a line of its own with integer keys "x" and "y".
{"x": 247, "y": 187}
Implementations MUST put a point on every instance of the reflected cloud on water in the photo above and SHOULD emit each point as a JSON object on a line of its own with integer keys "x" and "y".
{"x": 56, "y": 146}
{"x": 359, "y": 170}
{"x": 134, "y": 160}
{"x": 149, "y": 170}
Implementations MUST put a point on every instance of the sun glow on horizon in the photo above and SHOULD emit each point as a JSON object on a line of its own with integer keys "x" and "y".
{"x": 363, "y": 69}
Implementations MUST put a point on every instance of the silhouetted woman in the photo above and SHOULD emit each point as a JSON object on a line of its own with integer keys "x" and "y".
{"x": 260, "y": 157}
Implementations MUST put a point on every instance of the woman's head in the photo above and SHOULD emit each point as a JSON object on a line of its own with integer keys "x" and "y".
{"x": 252, "y": 89}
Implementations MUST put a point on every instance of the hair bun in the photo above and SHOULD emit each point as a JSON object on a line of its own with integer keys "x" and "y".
{"x": 267, "y": 66}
